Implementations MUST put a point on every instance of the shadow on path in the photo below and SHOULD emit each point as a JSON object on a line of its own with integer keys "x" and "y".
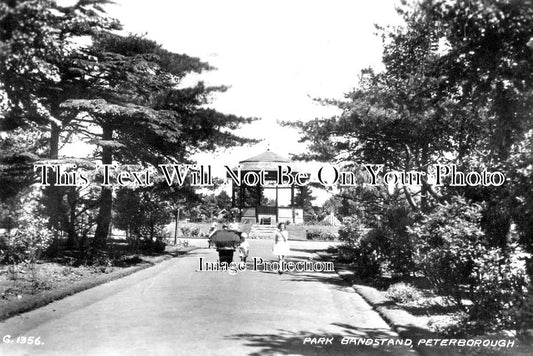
{"x": 331, "y": 278}
{"x": 290, "y": 342}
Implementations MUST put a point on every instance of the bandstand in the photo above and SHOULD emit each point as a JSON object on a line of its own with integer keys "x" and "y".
{"x": 248, "y": 199}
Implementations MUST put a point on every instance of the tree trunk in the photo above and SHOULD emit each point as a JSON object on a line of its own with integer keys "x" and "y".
{"x": 176, "y": 227}
{"x": 54, "y": 141}
{"x": 409, "y": 198}
{"x": 53, "y": 193}
{"x": 424, "y": 190}
{"x": 71, "y": 222}
{"x": 103, "y": 220}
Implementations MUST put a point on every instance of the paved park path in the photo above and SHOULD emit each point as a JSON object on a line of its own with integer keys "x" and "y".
{"x": 171, "y": 309}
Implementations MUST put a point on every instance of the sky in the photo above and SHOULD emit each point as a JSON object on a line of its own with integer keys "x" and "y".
{"x": 275, "y": 56}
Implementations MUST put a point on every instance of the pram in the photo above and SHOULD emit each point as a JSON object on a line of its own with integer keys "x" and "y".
{"x": 226, "y": 241}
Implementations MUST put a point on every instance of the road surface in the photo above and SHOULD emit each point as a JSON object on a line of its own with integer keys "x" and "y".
{"x": 172, "y": 309}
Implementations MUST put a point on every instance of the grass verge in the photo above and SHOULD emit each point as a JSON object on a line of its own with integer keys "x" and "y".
{"x": 44, "y": 297}
{"x": 415, "y": 327}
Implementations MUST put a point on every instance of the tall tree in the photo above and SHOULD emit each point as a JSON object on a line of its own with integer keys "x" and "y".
{"x": 488, "y": 65}
{"x": 40, "y": 58}
{"x": 40, "y": 55}
{"x": 143, "y": 114}
{"x": 456, "y": 89}
{"x": 304, "y": 198}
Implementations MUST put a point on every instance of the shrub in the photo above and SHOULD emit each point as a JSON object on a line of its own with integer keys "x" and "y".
{"x": 447, "y": 242}
{"x": 396, "y": 244}
{"x": 149, "y": 239}
{"x": 159, "y": 246}
{"x": 501, "y": 288}
{"x": 100, "y": 260}
{"x": 403, "y": 293}
{"x": 450, "y": 325}
{"x": 361, "y": 248}
{"x": 390, "y": 242}
{"x": 328, "y": 236}
{"x": 190, "y": 231}
{"x": 153, "y": 246}
{"x": 323, "y": 235}
{"x": 31, "y": 238}
{"x": 312, "y": 234}
{"x": 186, "y": 230}
{"x": 459, "y": 262}
{"x": 351, "y": 231}
{"x": 143, "y": 213}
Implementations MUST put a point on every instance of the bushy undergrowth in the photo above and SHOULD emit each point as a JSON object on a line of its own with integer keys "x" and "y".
{"x": 449, "y": 246}
{"x": 403, "y": 293}
{"x": 323, "y": 235}
{"x": 500, "y": 290}
{"x": 386, "y": 246}
{"x": 190, "y": 231}
{"x": 395, "y": 241}
{"x": 361, "y": 248}
{"x": 447, "y": 243}
{"x": 30, "y": 238}
{"x": 153, "y": 246}
{"x": 451, "y": 250}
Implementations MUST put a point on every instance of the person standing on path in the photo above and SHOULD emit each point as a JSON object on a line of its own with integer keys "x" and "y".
{"x": 211, "y": 232}
{"x": 281, "y": 245}
{"x": 244, "y": 247}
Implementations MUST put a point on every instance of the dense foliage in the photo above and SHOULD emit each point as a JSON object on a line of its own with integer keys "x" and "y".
{"x": 29, "y": 238}
{"x": 457, "y": 88}
{"x": 321, "y": 235}
{"x": 67, "y": 75}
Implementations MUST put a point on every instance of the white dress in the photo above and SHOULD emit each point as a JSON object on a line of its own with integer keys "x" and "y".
{"x": 244, "y": 249}
{"x": 281, "y": 244}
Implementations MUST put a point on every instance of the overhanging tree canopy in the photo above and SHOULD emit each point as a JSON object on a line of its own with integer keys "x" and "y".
{"x": 143, "y": 114}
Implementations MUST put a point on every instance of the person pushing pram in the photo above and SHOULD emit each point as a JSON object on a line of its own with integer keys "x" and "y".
{"x": 226, "y": 242}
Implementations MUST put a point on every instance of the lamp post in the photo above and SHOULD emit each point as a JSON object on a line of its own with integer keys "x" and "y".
{"x": 178, "y": 208}
{"x": 176, "y": 227}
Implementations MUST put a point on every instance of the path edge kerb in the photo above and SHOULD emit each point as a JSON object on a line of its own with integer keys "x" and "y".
{"x": 401, "y": 321}
{"x": 45, "y": 298}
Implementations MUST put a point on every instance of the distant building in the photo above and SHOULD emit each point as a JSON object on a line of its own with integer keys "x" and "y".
{"x": 332, "y": 220}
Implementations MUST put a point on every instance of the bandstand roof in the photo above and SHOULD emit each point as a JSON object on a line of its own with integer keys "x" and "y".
{"x": 268, "y": 161}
